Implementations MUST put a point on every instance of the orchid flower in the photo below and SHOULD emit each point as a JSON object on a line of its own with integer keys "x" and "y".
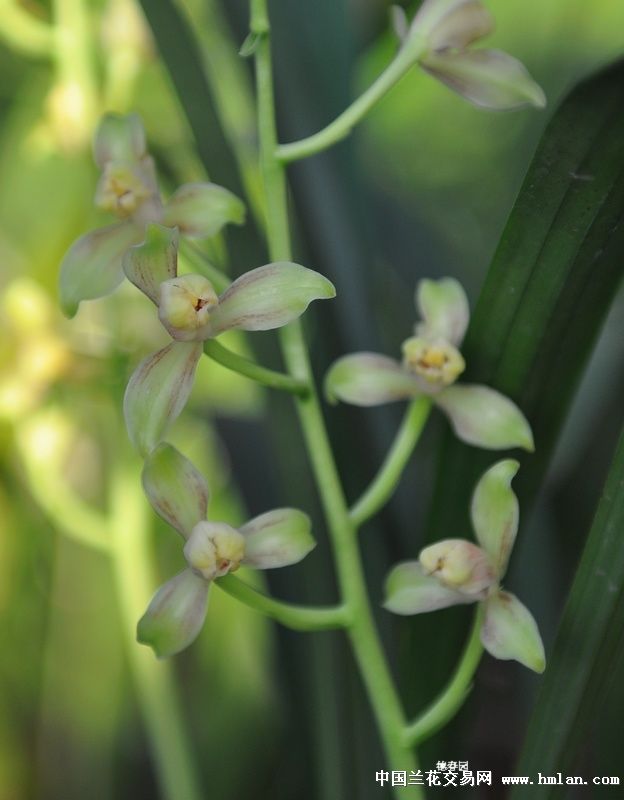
{"x": 431, "y": 364}
{"x": 445, "y": 32}
{"x": 189, "y": 308}
{"x": 456, "y": 571}
{"x": 128, "y": 188}
{"x": 179, "y": 494}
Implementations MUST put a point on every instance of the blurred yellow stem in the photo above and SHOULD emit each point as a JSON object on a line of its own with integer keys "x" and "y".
{"x": 154, "y": 680}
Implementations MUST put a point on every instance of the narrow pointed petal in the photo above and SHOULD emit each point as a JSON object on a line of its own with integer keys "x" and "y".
{"x": 410, "y": 591}
{"x": 92, "y": 268}
{"x": 452, "y": 23}
{"x": 119, "y": 138}
{"x": 269, "y": 297}
{"x": 154, "y": 261}
{"x": 158, "y": 391}
{"x": 510, "y": 633}
{"x": 202, "y": 209}
{"x": 495, "y": 513}
{"x": 487, "y": 78}
{"x": 444, "y": 309}
{"x": 176, "y": 489}
{"x": 460, "y": 565}
{"x": 175, "y": 615}
{"x": 485, "y": 418}
{"x": 369, "y": 379}
{"x": 277, "y": 539}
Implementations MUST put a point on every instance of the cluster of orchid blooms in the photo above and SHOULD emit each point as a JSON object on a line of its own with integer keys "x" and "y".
{"x": 143, "y": 246}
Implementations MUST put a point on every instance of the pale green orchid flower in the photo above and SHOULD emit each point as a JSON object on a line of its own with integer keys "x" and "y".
{"x": 456, "y": 571}
{"x": 92, "y": 267}
{"x": 431, "y": 364}
{"x": 179, "y": 494}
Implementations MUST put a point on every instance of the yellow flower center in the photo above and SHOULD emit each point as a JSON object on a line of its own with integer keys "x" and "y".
{"x": 185, "y": 306}
{"x": 438, "y": 362}
{"x": 214, "y": 549}
{"x": 122, "y": 189}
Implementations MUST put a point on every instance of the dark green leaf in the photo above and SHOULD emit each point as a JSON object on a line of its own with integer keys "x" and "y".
{"x": 589, "y": 638}
{"x": 555, "y": 272}
{"x": 546, "y": 296}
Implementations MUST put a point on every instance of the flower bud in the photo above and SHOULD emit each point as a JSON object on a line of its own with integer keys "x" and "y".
{"x": 214, "y": 549}
{"x": 437, "y": 362}
{"x": 185, "y": 306}
{"x": 459, "y": 565}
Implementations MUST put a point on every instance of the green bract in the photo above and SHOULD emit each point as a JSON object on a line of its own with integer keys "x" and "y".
{"x": 456, "y": 571}
{"x": 431, "y": 363}
{"x": 128, "y": 189}
{"x": 179, "y": 494}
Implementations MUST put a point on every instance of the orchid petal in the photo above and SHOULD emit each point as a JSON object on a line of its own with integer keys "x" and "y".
{"x": 369, "y": 379}
{"x": 202, "y": 209}
{"x": 92, "y": 268}
{"x": 487, "y": 78}
{"x": 452, "y": 23}
{"x": 277, "y": 538}
{"x": 410, "y": 591}
{"x": 485, "y": 418}
{"x": 158, "y": 391}
{"x": 175, "y": 614}
{"x": 154, "y": 261}
{"x": 509, "y": 632}
{"x": 176, "y": 489}
{"x": 495, "y": 513}
{"x": 269, "y": 297}
{"x": 443, "y": 306}
{"x": 119, "y": 138}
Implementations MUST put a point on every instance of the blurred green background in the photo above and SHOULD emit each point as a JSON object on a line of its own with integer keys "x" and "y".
{"x": 422, "y": 189}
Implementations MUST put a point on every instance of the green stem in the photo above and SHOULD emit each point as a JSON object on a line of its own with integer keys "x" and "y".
{"x": 70, "y": 513}
{"x": 299, "y": 618}
{"x": 384, "y": 483}
{"x": 267, "y": 377}
{"x": 124, "y": 537}
{"x": 361, "y": 631}
{"x": 154, "y": 680}
{"x": 75, "y": 66}
{"x": 342, "y": 126}
{"x": 455, "y": 694}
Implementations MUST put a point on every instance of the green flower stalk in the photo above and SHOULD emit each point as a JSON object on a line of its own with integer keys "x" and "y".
{"x": 431, "y": 364}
